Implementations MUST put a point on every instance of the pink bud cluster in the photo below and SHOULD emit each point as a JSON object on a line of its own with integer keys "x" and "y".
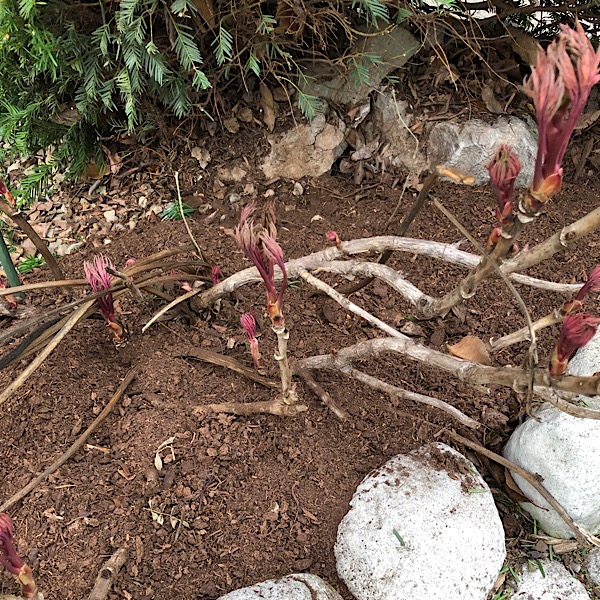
{"x": 559, "y": 85}
{"x": 99, "y": 279}
{"x": 11, "y": 561}
{"x": 248, "y": 323}
{"x": 259, "y": 244}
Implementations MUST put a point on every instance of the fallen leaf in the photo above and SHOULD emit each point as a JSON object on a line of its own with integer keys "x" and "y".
{"x": 245, "y": 114}
{"x": 487, "y": 94}
{"x": 202, "y": 155}
{"x": 268, "y": 106}
{"x": 231, "y": 124}
{"x": 471, "y": 348}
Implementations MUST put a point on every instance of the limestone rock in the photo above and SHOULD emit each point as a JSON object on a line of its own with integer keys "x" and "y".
{"x": 592, "y": 564}
{"x": 555, "y": 584}
{"x": 470, "y": 146}
{"x": 417, "y": 532}
{"x": 308, "y": 150}
{"x": 565, "y": 452}
{"x": 299, "y": 586}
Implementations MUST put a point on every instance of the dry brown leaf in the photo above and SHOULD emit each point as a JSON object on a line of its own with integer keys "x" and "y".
{"x": 487, "y": 94}
{"x": 268, "y": 106}
{"x": 471, "y": 348}
{"x": 514, "y": 491}
{"x": 93, "y": 171}
{"x": 206, "y": 11}
{"x": 524, "y": 45}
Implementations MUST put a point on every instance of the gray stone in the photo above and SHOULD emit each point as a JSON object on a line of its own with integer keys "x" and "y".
{"x": 470, "y": 146}
{"x": 299, "y": 586}
{"x": 308, "y": 150}
{"x": 592, "y": 564}
{"x": 556, "y": 583}
{"x": 392, "y": 118}
{"x": 586, "y": 361}
{"x": 416, "y": 532}
{"x": 394, "y": 48}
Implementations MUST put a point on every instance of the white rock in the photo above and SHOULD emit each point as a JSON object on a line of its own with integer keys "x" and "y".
{"x": 414, "y": 532}
{"x": 299, "y": 586}
{"x": 565, "y": 452}
{"x": 555, "y": 584}
{"x": 469, "y": 146}
{"x": 592, "y": 564}
{"x": 308, "y": 150}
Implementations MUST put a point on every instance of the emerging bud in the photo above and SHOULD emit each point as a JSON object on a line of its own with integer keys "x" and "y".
{"x": 11, "y": 561}
{"x": 9, "y": 197}
{"x": 99, "y": 279}
{"x": 504, "y": 169}
{"x": 248, "y": 323}
{"x": 559, "y": 85}
{"x": 259, "y": 244}
{"x": 577, "y": 331}
{"x": 332, "y": 236}
{"x": 215, "y": 273}
{"x": 591, "y": 285}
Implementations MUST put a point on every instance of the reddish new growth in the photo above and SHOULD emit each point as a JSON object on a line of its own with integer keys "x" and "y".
{"x": 259, "y": 244}
{"x": 11, "y": 561}
{"x": 215, "y": 273}
{"x": 248, "y": 323}
{"x": 591, "y": 285}
{"x": 504, "y": 169}
{"x": 332, "y": 236}
{"x": 577, "y": 331}
{"x": 560, "y": 84}
{"x": 99, "y": 279}
{"x": 9, "y": 197}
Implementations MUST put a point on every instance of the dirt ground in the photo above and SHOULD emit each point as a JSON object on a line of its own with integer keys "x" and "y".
{"x": 244, "y": 499}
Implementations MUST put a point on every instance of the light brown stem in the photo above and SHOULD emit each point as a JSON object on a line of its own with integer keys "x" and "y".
{"x": 283, "y": 335}
{"x": 378, "y": 384}
{"x": 129, "y": 377}
{"x": 276, "y": 406}
{"x": 108, "y": 574}
{"x": 522, "y": 335}
{"x": 323, "y": 395}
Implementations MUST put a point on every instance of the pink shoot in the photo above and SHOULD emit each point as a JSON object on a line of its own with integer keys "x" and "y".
{"x": 332, "y": 236}
{"x": 559, "y": 85}
{"x": 259, "y": 244}
{"x": 9, "y": 197}
{"x": 248, "y": 323}
{"x": 11, "y": 561}
{"x": 577, "y": 331}
{"x": 504, "y": 169}
{"x": 99, "y": 279}
{"x": 591, "y": 285}
{"x": 215, "y": 273}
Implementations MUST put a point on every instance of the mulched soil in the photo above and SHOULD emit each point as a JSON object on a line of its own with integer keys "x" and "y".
{"x": 246, "y": 499}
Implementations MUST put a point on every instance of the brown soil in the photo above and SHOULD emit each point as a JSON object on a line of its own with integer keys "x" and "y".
{"x": 257, "y": 497}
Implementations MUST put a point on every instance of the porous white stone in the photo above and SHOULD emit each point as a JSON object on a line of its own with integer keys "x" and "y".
{"x": 556, "y": 583}
{"x": 592, "y": 564}
{"x": 565, "y": 452}
{"x": 470, "y": 146}
{"x": 424, "y": 526}
{"x": 299, "y": 586}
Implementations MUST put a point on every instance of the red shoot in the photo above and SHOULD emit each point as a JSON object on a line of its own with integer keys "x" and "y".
{"x": 559, "y": 85}
{"x": 591, "y": 285}
{"x": 248, "y": 323}
{"x": 504, "y": 169}
{"x": 259, "y": 244}
{"x": 577, "y": 331}
{"x": 99, "y": 280}
{"x": 11, "y": 561}
{"x": 332, "y": 236}
{"x": 9, "y": 197}
{"x": 215, "y": 273}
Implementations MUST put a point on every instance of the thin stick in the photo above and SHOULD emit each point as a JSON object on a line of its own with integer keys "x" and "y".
{"x": 523, "y": 334}
{"x": 129, "y": 377}
{"x": 42, "y": 285}
{"x": 283, "y": 335}
{"x": 554, "y": 398}
{"x": 348, "y": 304}
{"x": 108, "y": 574}
{"x": 393, "y": 390}
{"x": 583, "y": 537}
{"x": 32, "y": 367}
{"x": 323, "y": 395}
{"x": 187, "y": 227}
{"x": 128, "y": 282}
